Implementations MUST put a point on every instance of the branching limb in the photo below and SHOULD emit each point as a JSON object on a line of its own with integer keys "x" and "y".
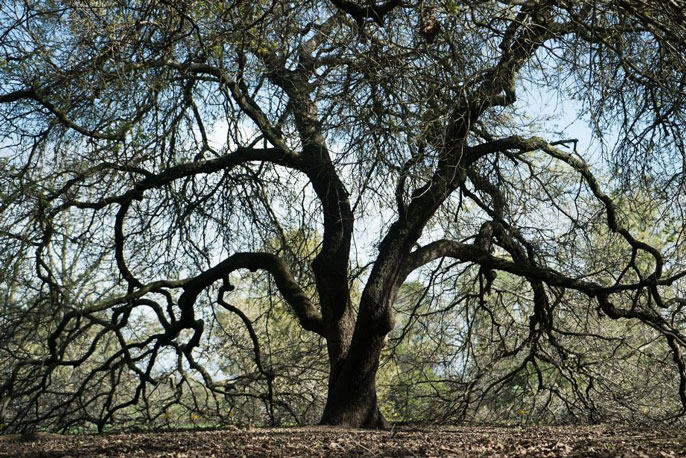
{"x": 308, "y": 315}
{"x": 522, "y": 144}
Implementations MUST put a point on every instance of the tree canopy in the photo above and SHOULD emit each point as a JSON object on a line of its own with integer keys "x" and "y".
{"x": 194, "y": 189}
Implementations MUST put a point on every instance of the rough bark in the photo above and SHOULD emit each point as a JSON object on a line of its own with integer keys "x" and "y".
{"x": 352, "y": 399}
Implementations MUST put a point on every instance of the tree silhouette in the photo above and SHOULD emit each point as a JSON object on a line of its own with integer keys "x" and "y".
{"x": 153, "y": 152}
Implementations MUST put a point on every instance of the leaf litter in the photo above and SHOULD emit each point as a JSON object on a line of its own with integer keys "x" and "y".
{"x": 457, "y": 441}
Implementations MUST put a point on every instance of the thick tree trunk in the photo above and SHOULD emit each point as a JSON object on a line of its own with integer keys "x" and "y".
{"x": 360, "y": 411}
{"x": 352, "y": 399}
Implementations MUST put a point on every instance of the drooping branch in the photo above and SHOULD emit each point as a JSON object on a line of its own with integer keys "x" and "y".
{"x": 240, "y": 155}
{"x": 308, "y": 315}
{"x": 522, "y": 144}
{"x": 537, "y": 276}
{"x": 470, "y": 253}
{"x": 61, "y": 115}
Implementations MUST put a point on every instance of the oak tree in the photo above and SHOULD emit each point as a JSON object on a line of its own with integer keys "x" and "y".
{"x": 155, "y": 154}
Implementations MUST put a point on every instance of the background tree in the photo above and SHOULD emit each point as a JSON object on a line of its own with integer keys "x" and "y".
{"x": 155, "y": 151}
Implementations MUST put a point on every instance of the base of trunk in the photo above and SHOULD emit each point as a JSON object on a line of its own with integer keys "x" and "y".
{"x": 352, "y": 399}
{"x": 352, "y": 402}
{"x": 356, "y": 416}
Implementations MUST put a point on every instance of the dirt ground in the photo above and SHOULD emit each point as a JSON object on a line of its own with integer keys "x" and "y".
{"x": 467, "y": 441}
